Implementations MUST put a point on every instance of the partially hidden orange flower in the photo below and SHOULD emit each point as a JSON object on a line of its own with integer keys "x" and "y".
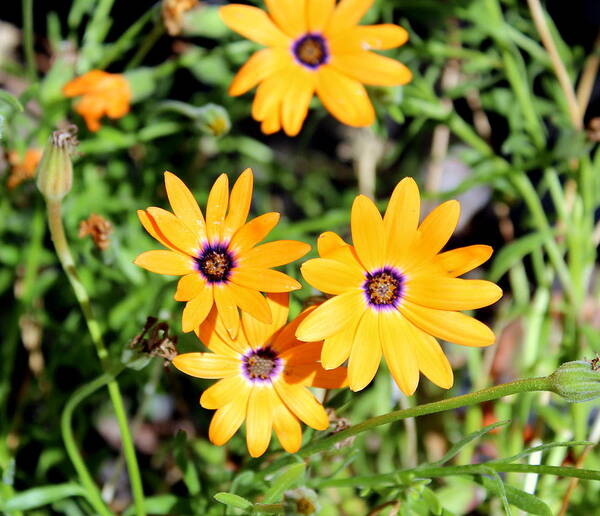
{"x": 102, "y": 93}
{"x": 314, "y": 46}
{"x": 218, "y": 258}
{"x": 263, "y": 378}
{"x": 394, "y": 292}
{"x": 22, "y": 167}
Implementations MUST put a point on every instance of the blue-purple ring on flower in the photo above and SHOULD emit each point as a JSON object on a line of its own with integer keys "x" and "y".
{"x": 261, "y": 365}
{"x": 383, "y": 288}
{"x": 215, "y": 263}
{"x": 311, "y": 50}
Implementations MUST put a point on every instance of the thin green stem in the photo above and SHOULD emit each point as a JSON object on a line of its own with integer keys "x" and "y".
{"x": 471, "y": 469}
{"x": 146, "y": 45}
{"x": 491, "y": 393}
{"x": 93, "y": 493}
{"x": 64, "y": 254}
{"x": 28, "y": 38}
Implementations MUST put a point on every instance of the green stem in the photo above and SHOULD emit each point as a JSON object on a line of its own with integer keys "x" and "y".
{"x": 64, "y": 254}
{"x": 28, "y": 38}
{"x": 86, "y": 479}
{"x": 146, "y": 45}
{"x": 491, "y": 393}
{"x": 471, "y": 469}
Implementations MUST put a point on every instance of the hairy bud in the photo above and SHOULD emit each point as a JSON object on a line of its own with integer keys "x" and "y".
{"x": 577, "y": 381}
{"x": 55, "y": 171}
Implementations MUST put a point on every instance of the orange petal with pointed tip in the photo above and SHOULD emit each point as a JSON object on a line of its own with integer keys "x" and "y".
{"x": 184, "y": 205}
{"x": 295, "y": 102}
{"x": 259, "y": 419}
{"x": 329, "y": 242}
{"x": 401, "y": 220}
{"x": 373, "y": 69}
{"x": 286, "y": 338}
{"x": 197, "y": 309}
{"x": 253, "y": 232}
{"x": 302, "y": 404}
{"x": 368, "y": 37}
{"x": 189, "y": 286}
{"x": 253, "y": 23}
{"x": 228, "y": 310}
{"x": 332, "y": 277}
{"x": 347, "y": 13}
{"x": 152, "y": 228}
{"x": 252, "y": 302}
{"x": 165, "y": 262}
{"x": 464, "y": 259}
{"x": 264, "y": 280}
{"x": 368, "y": 235}
{"x": 214, "y": 336}
{"x": 239, "y": 204}
{"x": 228, "y": 419}
{"x": 262, "y": 64}
{"x": 289, "y": 15}
{"x": 365, "y": 355}
{"x": 432, "y": 360}
{"x": 175, "y": 231}
{"x": 438, "y": 226}
{"x": 216, "y": 208}
{"x": 274, "y": 254}
{"x": 337, "y": 348}
{"x": 287, "y": 427}
{"x": 223, "y": 392}
{"x": 207, "y": 365}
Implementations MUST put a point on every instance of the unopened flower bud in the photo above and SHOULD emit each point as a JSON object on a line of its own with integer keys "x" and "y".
{"x": 55, "y": 171}
{"x": 577, "y": 381}
{"x": 213, "y": 120}
{"x": 300, "y": 502}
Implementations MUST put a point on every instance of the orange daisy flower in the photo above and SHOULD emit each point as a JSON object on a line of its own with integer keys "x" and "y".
{"x": 394, "y": 292}
{"x": 218, "y": 257}
{"x": 103, "y": 94}
{"x": 314, "y": 47}
{"x": 264, "y": 374}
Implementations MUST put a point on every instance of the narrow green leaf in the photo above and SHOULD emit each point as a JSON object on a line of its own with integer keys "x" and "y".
{"x": 11, "y": 100}
{"x": 40, "y": 496}
{"x": 234, "y": 500}
{"x": 541, "y": 447}
{"x": 514, "y": 252}
{"x": 500, "y": 488}
{"x": 284, "y": 482}
{"x": 455, "y": 449}
{"x": 518, "y": 498}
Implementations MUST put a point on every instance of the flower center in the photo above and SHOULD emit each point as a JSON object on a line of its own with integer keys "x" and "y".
{"x": 311, "y": 50}
{"x": 215, "y": 263}
{"x": 261, "y": 365}
{"x": 383, "y": 288}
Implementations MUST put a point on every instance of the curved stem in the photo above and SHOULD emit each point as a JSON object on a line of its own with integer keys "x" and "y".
{"x": 491, "y": 393}
{"x": 28, "y": 38}
{"x": 64, "y": 254}
{"x": 86, "y": 479}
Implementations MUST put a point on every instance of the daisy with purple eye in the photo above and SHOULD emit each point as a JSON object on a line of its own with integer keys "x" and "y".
{"x": 264, "y": 374}
{"x": 394, "y": 292}
{"x": 218, "y": 258}
{"x": 313, "y": 47}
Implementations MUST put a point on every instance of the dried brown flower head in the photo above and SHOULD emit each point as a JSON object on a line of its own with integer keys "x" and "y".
{"x": 98, "y": 228}
{"x": 155, "y": 340}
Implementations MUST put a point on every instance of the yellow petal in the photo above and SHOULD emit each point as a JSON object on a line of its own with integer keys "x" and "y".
{"x": 264, "y": 280}
{"x": 337, "y": 348}
{"x": 271, "y": 123}
{"x": 332, "y": 277}
{"x": 228, "y": 311}
{"x": 287, "y": 428}
{"x": 216, "y": 207}
{"x": 175, "y": 231}
{"x": 368, "y": 37}
{"x": 274, "y": 254}
{"x": 197, "y": 309}
{"x": 401, "y": 220}
{"x": 346, "y": 14}
{"x": 165, "y": 262}
{"x": 251, "y": 302}
{"x": 214, "y": 336}
{"x": 228, "y": 419}
{"x": 451, "y": 326}
{"x": 431, "y": 359}
{"x": 253, "y": 23}
{"x": 289, "y": 15}
{"x": 184, "y": 205}
{"x": 239, "y": 204}
{"x": 302, "y": 404}
{"x": 331, "y": 317}
{"x": 261, "y": 65}
{"x": 152, "y": 228}
{"x": 318, "y": 14}
{"x": 365, "y": 356}
{"x": 438, "y": 226}
{"x": 329, "y": 242}
{"x": 223, "y": 392}
{"x": 259, "y": 333}
{"x": 368, "y": 235}
{"x": 286, "y": 338}
{"x": 399, "y": 343}
{"x": 189, "y": 286}
{"x": 295, "y": 102}
{"x": 253, "y": 232}
{"x": 373, "y": 69}
{"x": 271, "y": 91}
{"x": 259, "y": 419}
{"x": 304, "y": 353}
{"x": 345, "y": 98}
{"x": 315, "y": 376}
{"x": 207, "y": 365}
{"x": 461, "y": 260}
{"x": 452, "y": 294}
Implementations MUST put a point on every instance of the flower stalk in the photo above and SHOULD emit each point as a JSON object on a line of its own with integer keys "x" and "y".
{"x": 59, "y": 179}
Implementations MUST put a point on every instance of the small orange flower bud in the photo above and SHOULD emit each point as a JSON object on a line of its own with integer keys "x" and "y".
{"x": 102, "y": 93}
{"x": 55, "y": 171}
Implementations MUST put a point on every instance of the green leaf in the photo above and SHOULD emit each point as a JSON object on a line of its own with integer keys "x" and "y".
{"x": 455, "y": 449}
{"x": 40, "y": 496}
{"x": 542, "y": 447}
{"x": 234, "y": 500}
{"x": 11, "y": 100}
{"x": 160, "y": 504}
{"x": 518, "y": 497}
{"x": 182, "y": 458}
{"x": 514, "y": 252}
{"x": 284, "y": 482}
{"x": 499, "y": 488}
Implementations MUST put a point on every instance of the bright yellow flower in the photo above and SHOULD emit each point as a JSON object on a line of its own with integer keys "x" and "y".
{"x": 393, "y": 292}
{"x": 102, "y": 93}
{"x": 264, "y": 376}
{"x": 218, "y": 257}
{"x": 314, "y": 47}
